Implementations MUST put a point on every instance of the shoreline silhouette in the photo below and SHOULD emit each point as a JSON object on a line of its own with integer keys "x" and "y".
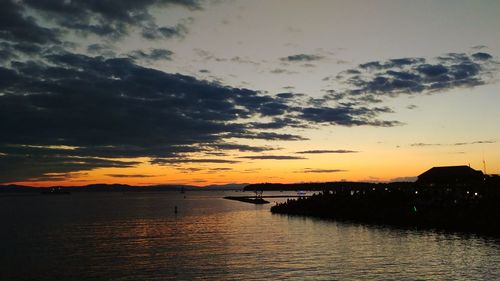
{"x": 455, "y": 198}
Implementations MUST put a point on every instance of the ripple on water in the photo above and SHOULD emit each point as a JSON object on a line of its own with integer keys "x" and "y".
{"x": 138, "y": 237}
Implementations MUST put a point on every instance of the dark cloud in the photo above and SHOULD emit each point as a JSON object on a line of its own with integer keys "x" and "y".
{"x": 428, "y": 70}
{"x": 17, "y": 167}
{"x": 121, "y": 103}
{"x": 285, "y": 95}
{"x": 273, "y": 108}
{"x": 121, "y": 110}
{"x": 56, "y": 177}
{"x": 216, "y": 153}
{"x": 348, "y": 115}
{"x": 340, "y": 151}
{"x": 164, "y": 161}
{"x": 65, "y": 112}
{"x": 272, "y": 157}
{"x": 12, "y": 51}
{"x": 482, "y": 56}
{"x": 101, "y": 49}
{"x": 239, "y": 147}
{"x": 97, "y": 48}
{"x": 154, "y": 32}
{"x": 302, "y": 58}
{"x": 116, "y": 109}
{"x": 332, "y": 95}
{"x": 267, "y": 136}
{"x": 279, "y": 123}
{"x": 368, "y": 99}
{"x": 393, "y": 63}
{"x": 152, "y": 55}
{"x": 103, "y": 151}
{"x": 416, "y": 75}
{"x": 17, "y": 26}
{"x": 129, "y": 176}
{"x": 7, "y": 76}
{"x": 20, "y": 20}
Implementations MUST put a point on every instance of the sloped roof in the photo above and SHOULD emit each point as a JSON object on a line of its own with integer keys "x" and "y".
{"x": 450, "y": 174}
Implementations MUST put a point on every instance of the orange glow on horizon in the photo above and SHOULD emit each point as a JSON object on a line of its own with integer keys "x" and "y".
{"x": 373, "y": 167}
{"x": 379, "y": 162}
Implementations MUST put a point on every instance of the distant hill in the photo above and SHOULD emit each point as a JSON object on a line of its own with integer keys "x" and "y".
{"x": 122, "y": 188}
{"x": 17, "y": 188}
{"x": 231, "y": 186}
{"x": 318, "y": 186}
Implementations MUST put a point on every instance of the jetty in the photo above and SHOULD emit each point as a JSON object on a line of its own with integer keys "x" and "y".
{"x": 260, "y": 199}
{"x": 247, "y": 199}
{"x": 456, "y": 198}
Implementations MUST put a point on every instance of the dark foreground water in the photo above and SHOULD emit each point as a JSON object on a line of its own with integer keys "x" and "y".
{"x": 137, "y": 236}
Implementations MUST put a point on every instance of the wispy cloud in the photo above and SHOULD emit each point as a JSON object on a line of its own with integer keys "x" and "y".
{"x": 302, "y": 58}
{"x": 309, "y": 170}
{"x": 339, "y": 151}
{"x": 163, "y": 161}
{"x": 152, "y": 55}
{"x": 421, "y": 144}
{"x": 154, "y": 32}
{"x": 282, "y": 71}
{"x": 129, "y": 176}
{"x": 267, "y": 136}
{"x": 221, "y": 169}
{"x": 239, "y": 147}
{"x": 474, "y": 142}
{"x": 272, "y": 157}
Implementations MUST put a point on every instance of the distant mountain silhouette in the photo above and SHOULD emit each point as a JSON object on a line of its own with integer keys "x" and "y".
{"x": 319, "y": 186}
{"x": 120, "y": 188}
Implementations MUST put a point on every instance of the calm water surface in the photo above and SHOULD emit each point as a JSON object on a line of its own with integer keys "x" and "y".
{"x": 137, "y": 236}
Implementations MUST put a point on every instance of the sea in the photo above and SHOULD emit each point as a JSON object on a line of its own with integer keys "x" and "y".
{"x": 139, "y": 236}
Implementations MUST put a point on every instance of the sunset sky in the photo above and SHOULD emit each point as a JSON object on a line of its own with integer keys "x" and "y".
{"x": 216, "y": 92}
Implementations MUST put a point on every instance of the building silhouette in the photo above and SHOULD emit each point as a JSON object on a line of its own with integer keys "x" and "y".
{"x": 451, "y": 176}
